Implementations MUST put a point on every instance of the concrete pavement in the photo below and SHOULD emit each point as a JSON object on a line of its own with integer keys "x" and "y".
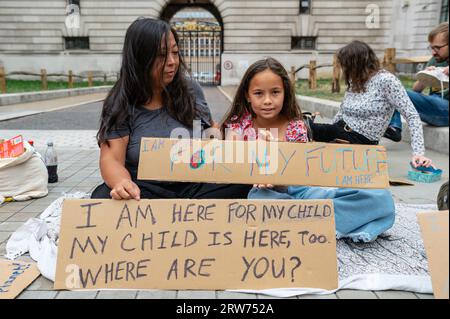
{"x": 31, "y": 108}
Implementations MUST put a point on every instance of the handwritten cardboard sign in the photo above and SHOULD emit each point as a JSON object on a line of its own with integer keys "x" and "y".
{"x": 434, "y": 227}
{"x": 196, "y": 244}
{"x": 278, "y": 163}
{"x": 15, "y": 276}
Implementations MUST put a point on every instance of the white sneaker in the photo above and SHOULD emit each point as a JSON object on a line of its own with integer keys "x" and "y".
{"x": 433, "y": 78}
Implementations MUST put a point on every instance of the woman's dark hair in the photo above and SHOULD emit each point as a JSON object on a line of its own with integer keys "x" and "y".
{"x": 142, "y": 46}
{"x": 359, "y": 63}
{"x": 291, "y": 109}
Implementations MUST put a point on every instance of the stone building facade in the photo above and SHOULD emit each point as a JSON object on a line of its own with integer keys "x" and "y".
{"x": 35, "y": 34}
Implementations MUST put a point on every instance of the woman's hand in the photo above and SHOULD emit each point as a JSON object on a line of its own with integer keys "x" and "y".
{"x": 419, "y": 160}
{"x": 126, "y": 189}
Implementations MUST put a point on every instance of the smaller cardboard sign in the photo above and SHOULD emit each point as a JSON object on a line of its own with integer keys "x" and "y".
{"x": 434, "y": 227}
{"x": 262, "y": 162}
{"x": 15, "y": 276}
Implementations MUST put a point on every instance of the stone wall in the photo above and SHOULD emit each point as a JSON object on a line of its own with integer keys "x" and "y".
{"x": 31, "y": 32}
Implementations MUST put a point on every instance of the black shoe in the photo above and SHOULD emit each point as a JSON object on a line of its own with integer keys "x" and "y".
{"x": 393, "y": 133}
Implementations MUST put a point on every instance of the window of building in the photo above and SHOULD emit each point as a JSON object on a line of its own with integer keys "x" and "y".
{"x": 77, "y": 43}
{"x": 305, "y": 6}
{"x": 303, "y": 43}
{"x": 444, "y": 11}
{"x": 77, "y": 2}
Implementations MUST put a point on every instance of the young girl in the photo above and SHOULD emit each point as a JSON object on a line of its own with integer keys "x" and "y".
{"x": 265, "y": 100}
{"x": 370, "y": 100}
{"x": 152, "y": 98}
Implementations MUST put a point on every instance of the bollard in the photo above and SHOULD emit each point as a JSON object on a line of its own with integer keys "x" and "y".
{"x": 70, "y": 80}
{"x": 44, "y": 83}
{"x": 336, "y": 85}
{"x": 89, "y": 78}
{"x": 292, "y": 75}
{"x": 388, "y": 61}
{"x": 2, "y": 80}
{"x": 312, "y": 75}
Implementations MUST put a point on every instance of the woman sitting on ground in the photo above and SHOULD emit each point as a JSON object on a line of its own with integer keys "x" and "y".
{"x": 152, "y": 98}
{"x": 371, "y": 98}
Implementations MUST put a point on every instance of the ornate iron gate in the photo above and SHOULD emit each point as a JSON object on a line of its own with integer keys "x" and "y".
{"x": 201, "y": 50}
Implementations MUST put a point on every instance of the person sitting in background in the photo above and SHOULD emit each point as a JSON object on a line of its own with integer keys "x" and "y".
{"x": 432, "y": 108}
{"x": 372, "y": 96}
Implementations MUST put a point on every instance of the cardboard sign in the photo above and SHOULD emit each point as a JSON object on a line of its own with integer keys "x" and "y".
{"x": 261, "y": 162}
{"x": 434, "y": 227}
{"x": 196, "y": 244}
{"x": 15, "y": 276}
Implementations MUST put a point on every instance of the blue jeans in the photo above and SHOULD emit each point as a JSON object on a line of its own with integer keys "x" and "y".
{"x": 433, "y": 109}
{"x": 360, "y": 214}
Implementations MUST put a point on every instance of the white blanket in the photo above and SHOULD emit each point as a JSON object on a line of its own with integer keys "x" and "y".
{"x": 395, "y": 261}
{"x": 39, "y": 237}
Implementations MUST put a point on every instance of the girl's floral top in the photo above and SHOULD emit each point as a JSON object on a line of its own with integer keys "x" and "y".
{"x": 296, "y": 130}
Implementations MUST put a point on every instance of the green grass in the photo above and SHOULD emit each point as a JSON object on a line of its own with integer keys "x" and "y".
{"x": 18, "y": 86}
{"x": 323, "y": 90}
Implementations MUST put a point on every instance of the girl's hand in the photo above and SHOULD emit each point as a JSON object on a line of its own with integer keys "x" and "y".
{"x": 419, "y": 160}
{"x": 126, "y": 189}
{"x": 267, "y": 136}
{"x": 263, "y": 186}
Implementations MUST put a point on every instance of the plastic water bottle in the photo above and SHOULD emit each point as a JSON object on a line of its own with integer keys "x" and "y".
{"x": 51, "y": 161}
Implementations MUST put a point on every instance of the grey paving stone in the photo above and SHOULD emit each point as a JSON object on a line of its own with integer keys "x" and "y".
{"x": 86, "y": 183}
{"x": 69, "y": 183}
{"x": 33, "y": 208}
{"x": 395, "y": 295}
{"x": 157, "y": 294}
{"x": 196, "y": 294}
{"x": 44, "y": 202}
{"x": 22, "y": 217}
{"x": 355, "y": 294}
{"x": 5, "y": 216}
{"x": 52, "y": 196}
{"x": 9, "y": 209}
{"x": 77, "y": 295}
{"x": 38, "y": 295}
{"x": 14, "y": 205}
{"x": 41, "y": 284}
{"x": 425, "y": 296}
{"x": 2, "y": 249}
{"x": 4, "y": 236}
{"x": 10, "y": 226}
{"x": 117, "y": 294}
{"x": 60, "y": 189}
{"x": 329, "y": 296}
{"x": 234, "y": 295}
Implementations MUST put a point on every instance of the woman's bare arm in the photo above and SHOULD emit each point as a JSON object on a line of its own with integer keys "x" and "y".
{"x": 114, "y": 173}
